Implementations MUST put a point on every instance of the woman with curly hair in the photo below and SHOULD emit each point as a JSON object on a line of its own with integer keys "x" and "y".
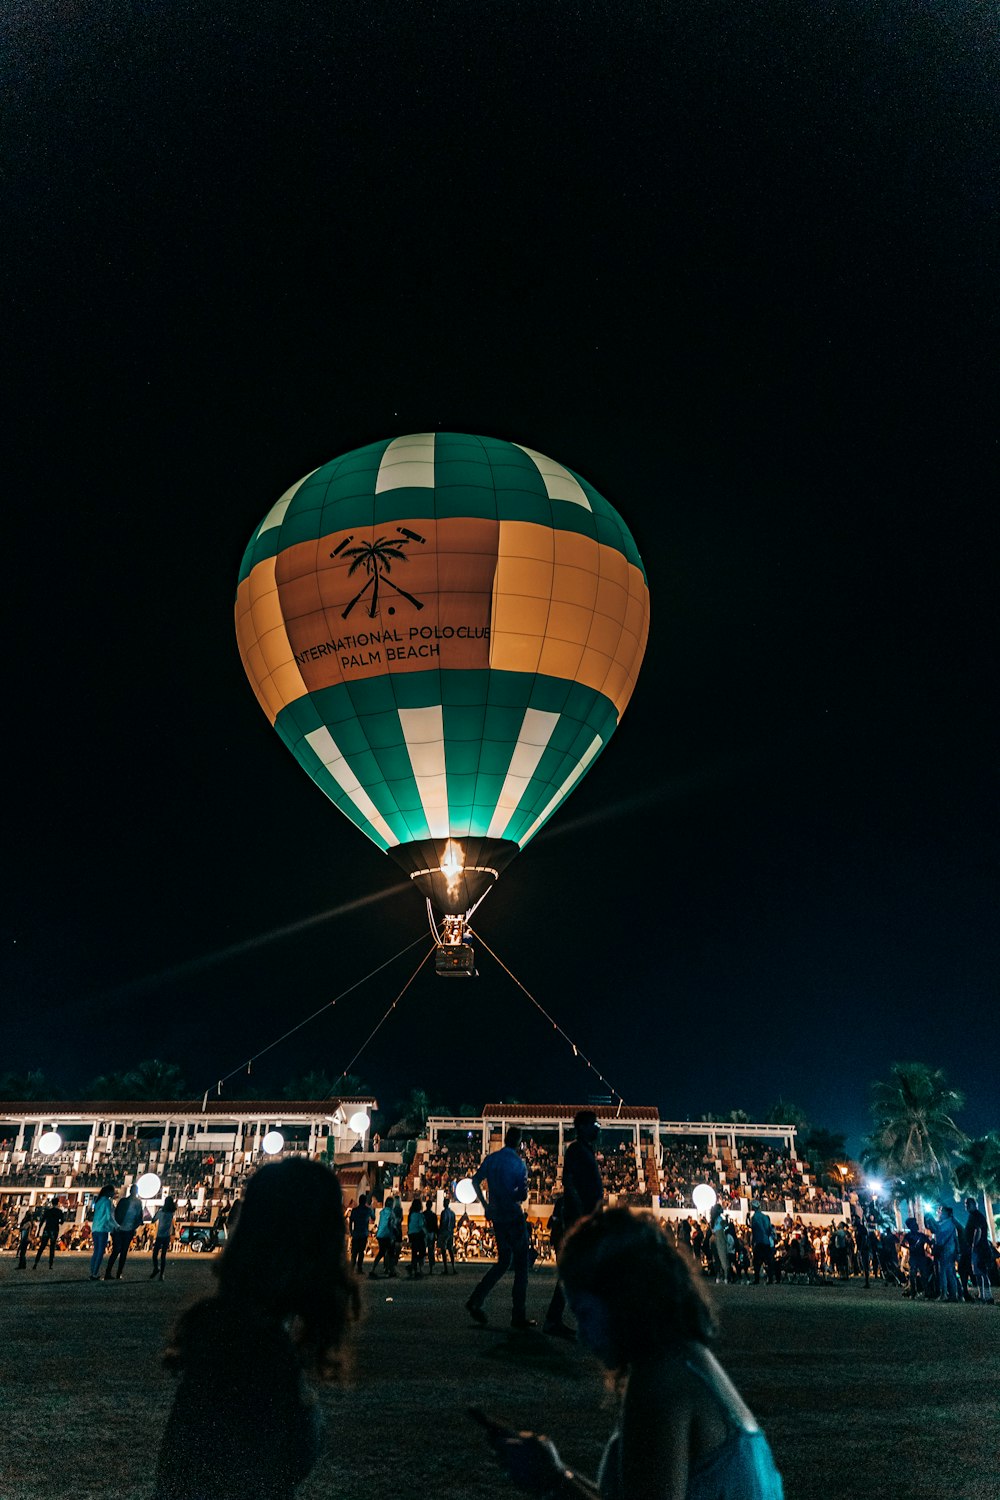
{"x": 243, "y": 1425}
{"x": 684, "y": 1432}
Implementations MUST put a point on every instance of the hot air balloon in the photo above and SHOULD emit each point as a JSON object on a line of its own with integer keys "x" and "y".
{"x": 445, "y": 630}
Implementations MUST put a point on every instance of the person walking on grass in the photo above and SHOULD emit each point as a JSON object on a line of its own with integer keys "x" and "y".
{"x": 385, "y": 1239}
{"x": 128, "y": 1216}
{"x": 163, "y": 1220}
{"x": 506, "y": 1179}
{"x": 52, "y": 1218}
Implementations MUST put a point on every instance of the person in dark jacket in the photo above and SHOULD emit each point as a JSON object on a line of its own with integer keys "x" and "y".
{"x": 582, "y": 1194}
{"x": 243, "y": 1425}
{"x": 128, "y": 1216}
{"x": 52, "y": 1218}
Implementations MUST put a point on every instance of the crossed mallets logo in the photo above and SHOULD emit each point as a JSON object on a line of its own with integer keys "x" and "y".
{"x": 377, "y": 558}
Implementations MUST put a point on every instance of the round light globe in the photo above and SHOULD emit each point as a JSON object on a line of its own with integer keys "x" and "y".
{"x": 49, "y": 1143}
{"x": 360, "y": 1121}
{"x": 704, "y": 1197}
{"x": 272, "y": 1143}
{"x": 148, "y": 1185}
{"x": 464, "y": 1191}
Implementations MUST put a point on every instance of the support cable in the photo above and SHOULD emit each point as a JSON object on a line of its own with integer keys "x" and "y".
{"x": 327, "y": 1005}
{"x": 555, "y": 1024}
{"x": 388, "y": 1013}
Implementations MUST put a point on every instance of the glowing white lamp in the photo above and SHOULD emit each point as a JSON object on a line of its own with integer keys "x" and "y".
{"x": 148, "y": 1185}
{"x": 49, "y": 1143}
{"x": 878, "y": 1188}
{"x": 704, "y": 1197}
{"x": 464, "y": 1191}
{"x": 360, "y": 1121}
{"x": 272, "y": 1143}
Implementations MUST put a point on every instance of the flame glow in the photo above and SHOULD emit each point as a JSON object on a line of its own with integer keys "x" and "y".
{"x": 452, "y": 865}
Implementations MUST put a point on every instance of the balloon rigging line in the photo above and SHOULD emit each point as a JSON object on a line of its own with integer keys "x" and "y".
{"x": 327, "y": 1005}
{"x": 388, "y": 1013}
{"x": 550, "y": 1019}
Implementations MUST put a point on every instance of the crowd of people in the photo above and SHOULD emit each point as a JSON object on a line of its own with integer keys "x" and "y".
{"x": 635, "y": 1287}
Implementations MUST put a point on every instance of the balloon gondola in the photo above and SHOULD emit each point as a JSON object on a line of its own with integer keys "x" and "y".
{"x": 445, "y": 630}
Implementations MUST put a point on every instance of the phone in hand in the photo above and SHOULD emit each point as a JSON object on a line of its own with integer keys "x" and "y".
{"x": 497, "y": 1431}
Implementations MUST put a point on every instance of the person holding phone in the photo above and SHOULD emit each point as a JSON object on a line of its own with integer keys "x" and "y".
{"x": 684, "y": 1432}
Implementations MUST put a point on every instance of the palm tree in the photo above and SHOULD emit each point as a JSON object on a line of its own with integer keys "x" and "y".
{"x": 414, "y": 1110}
{"x": 313, "y": 1085}
{"x": 977, "y": 1171}
{"x": 784, "y": 1112}
{"x": 108, "y": 1086}
{"x": 825, "y": 1151}
{"x": 154, "y": 1079}
{"x": 914, "y": 1135}
{"x": 28, "y": 1086}
{"x": 377, "y": 558}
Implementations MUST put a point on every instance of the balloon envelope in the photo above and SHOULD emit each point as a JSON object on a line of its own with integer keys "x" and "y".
{"x": 445, "y": 630}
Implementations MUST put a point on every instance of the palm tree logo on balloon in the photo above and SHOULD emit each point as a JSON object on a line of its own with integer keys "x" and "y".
{"x": 377, "y": 558}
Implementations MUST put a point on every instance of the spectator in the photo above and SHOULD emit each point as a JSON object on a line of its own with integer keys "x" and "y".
{"x": 684, "y": 1429}
{"x": 51, "y": 1223}
{"x": 242, "y": 1426}
{"x": 506, "y": 1181}
{"x": 582, "y": 1193}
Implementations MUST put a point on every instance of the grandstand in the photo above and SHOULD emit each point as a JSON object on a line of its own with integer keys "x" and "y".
{"x": 204, "y": 1151}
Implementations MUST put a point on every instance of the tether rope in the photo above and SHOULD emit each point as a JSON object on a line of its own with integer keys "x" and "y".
{"x": 554, "y": 1023}
{"x": 327, "y": 1005}
{"x": 388, "y": 1013}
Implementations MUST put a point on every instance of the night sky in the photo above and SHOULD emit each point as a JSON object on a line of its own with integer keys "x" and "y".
{"x": 736, "y": 265}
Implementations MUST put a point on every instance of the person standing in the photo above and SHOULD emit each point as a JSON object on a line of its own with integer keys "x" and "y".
{"x": 24, "y": 1228}
{"x": 243, "y": 1424}
{"x": 361, "y": 1221}
{"x": 430, "y": 1234}
{"x": 52, "y": 1217}
{"x": 946, "y": 1254}
{"x": 102, "y": 1228}
{"x": 446, "y": 1238}
{"x": 720, "y": 1227}
{"x": 415, "y": 1235}
{"x": 163, "y": 1219}
{"x": 762, "y": 1242}
{"x": 506, "y": 1180}
{"x": 863, "y": 1243}
{"x": 383, "y": 1238}
{"x": 977, "y": 1239}
{"x": 582, "y": 1194}
{"x": 128, "y": 1217}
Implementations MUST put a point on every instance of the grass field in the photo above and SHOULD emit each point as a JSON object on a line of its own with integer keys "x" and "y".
{"x": 861, "y": 1393}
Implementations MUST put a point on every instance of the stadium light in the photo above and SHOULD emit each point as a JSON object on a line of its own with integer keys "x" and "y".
{"x": 464, "y": 1190}
{"x": 272, "y": 1143}
{"x": 49, "y": 1142}
{"x": 704, "y": 1197}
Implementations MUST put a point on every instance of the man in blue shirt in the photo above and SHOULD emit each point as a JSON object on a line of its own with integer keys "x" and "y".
{"x": 506, "y": 1180}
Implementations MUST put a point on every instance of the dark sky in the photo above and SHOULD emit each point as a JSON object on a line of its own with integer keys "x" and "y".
{"x": 737, "y": 265}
